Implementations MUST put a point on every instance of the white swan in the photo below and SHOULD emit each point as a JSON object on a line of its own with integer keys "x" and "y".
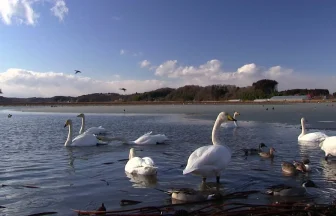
{"x": 230, "y": 124}
{"x": 329, "y": 146}
{"x": 92, "y": 130}
{"x": 208, "y": 161}
{"x": 140, "y": 166}
{"x": 310, "y": 137}
{"x": 84, "y": 139}
{"x": 148, "y": 139}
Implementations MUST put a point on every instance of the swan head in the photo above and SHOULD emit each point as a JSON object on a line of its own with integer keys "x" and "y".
{"x": 223, "y": 117}
{"x": 81, "y": 115}
{"x": 131, "y": 154}
{"x": 68, "y": 123}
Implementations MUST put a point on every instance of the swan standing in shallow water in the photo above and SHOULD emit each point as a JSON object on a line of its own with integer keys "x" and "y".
{"x": 209, "y": 161}
{"x": 310, "y": 137}
{"x": 140, "y": 166}
{"x": 329, "y": 146}
{"x": 147, "y": 139}
{"x": 84, "y": 139}
{"x": 92, "y": 130}
{"x": 230, "y": 124}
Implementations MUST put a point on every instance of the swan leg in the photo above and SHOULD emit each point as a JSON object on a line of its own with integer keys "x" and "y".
{"x": 217, "y": 179}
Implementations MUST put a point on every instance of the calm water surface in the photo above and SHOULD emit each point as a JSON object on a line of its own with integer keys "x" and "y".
{"x": 32, "y": 152}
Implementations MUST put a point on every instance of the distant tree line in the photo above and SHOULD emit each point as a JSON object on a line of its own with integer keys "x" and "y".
{"x": 259, "y": 90}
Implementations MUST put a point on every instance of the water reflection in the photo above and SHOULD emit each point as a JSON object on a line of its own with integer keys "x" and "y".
{"x": 141, "y": 181}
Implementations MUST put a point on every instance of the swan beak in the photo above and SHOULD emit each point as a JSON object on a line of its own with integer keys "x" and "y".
{"x": 230, "y": 118}
{"x": 65, "y": 125}
{"x": 79, "y": 115}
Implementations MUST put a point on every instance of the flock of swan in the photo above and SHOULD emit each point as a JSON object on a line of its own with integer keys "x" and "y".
{"x": 206, "y": 161}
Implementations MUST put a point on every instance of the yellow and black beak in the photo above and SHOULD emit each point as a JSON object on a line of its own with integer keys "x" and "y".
{"x": 230, "y": 118}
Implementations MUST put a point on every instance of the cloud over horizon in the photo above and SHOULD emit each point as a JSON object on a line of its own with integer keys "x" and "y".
{"x": 24, "y": 83}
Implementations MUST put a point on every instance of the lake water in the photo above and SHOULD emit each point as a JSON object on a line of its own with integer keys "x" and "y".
{"x": 33, "y": 152}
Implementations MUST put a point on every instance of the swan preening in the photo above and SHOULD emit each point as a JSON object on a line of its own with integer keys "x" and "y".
{"x": 140, "y": 166}
{"x": 310, "y": 137}
{"x": 93, "y": 130}
{"x": 210, "y": 161}
{"x": 147, "y": 139}
{"x": 232, "y": 124}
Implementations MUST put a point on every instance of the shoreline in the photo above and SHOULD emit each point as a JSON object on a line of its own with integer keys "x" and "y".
{"x": 56, "y": 104}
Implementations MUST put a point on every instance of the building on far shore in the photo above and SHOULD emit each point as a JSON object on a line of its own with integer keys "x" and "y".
{"x": 235, "y": 100}
{"x": 261, "y": 100}
{"x": 290, "y": 98}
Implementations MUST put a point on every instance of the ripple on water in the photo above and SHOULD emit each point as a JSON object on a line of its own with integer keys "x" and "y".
{"x": 33, "y": 153}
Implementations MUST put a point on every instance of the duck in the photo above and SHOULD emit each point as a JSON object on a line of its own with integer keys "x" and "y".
{"x": 147, "y": 139}
{"x": 92, "y": 130}
{"x": 9, "y": 115}
{"x": 140, "y": 166}
{"x": 303, "y": 165}
{"x": 230, "y": 124}
{"x": 291, "y": 168}
{"x": 191, "y": 195}
{"x": 84, "y": 139}
{"x": 211, "y": 160}
{"x": 290, "y": 191}
{"x": 310, "y": 137}
{"x": 269, "y": 154}
{"x": 252, "y": 151}
{"x": 329, "y": 147}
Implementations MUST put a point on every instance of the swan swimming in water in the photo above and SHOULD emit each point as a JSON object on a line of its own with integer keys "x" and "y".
{"x": 329, "y": 146}
{"x": 140, "y": 166}
{"x": 147, "y": 139}
{"x": 93, "y": 130}
{"x": 310, "y": 137}
{"x": 230, "y": 124}
{"x": 211, "y": 160}
{"x": 84, "y": 139}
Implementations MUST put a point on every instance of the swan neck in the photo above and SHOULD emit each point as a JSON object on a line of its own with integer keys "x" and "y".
{"x": 83, "y": 126}
{"x": 69, "y": 139}
{"x": 131, "y": 155}
{"x": 303, "y": 128}
{"x": 215, "y": 130}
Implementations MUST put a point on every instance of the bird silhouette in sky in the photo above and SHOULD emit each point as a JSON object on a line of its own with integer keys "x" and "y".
{"x": 0, "y": 91}
{"x": 123, "y": 89}
{"x": 77, "y": 71}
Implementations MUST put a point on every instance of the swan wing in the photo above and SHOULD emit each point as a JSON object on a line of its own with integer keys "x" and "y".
{"x": 85, "y": 140}
{"x": 151, "y": 139}
{"x": 140, "y": 166}
{"x": 95, "y": 130}
{"x": 147, "y": 161}
{"x": 313, "y": 137}
{"x": 329, "y": 145}
{"x": 208, "y": 160}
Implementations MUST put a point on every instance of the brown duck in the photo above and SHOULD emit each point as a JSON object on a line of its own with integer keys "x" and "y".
{"x": 269, "y": 154}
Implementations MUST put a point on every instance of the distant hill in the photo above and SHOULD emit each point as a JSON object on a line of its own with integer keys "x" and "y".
{"x": 260, "y": 89}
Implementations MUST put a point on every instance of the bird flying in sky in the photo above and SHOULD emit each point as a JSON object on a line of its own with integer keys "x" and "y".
{"x": 123, "y": 89}
{"x": 77, "y": 71}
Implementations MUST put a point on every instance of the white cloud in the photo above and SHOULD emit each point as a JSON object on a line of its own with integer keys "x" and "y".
{"x": 212, "y": 73}
{"x": 145, "y": 63}
{"x": 124, "y": 52}
{"x": 23, "y": 11}
{"x": 24, "y": 83}
{"x": 60, "y": 9}
{"x": 116, "y": 18}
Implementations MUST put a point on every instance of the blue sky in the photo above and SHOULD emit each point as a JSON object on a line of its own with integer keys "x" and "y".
{"x": 185, "y": 42}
